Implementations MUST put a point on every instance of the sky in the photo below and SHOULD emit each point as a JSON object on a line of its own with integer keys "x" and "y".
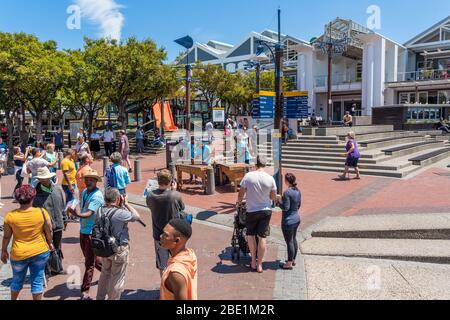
{"x": 226, "y": 21}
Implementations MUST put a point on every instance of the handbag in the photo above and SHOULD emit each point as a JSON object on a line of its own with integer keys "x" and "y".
{"x": 54, "y": 262}
{"x": 24, "y": 172}
{"x": 187, "y": 216}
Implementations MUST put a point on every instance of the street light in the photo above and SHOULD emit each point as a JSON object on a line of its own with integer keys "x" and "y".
{"x": 277, "y": 137}
{"x": 187, "y": 42}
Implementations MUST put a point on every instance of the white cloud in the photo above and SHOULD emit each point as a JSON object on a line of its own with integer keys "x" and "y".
{"x": 105, "y": 13}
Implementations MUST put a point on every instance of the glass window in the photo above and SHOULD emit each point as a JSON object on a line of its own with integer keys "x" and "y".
{"x": 423, "y": 97}
{"x": 433, "y": 114}
{"x": 412, "y": 98}
{"x": 438, "y": 114}
{"x": 432, "y": 97}
{"x": 415, "y": 114}
{"x": 444, "y": 97}
{"x": 420, "y": 114}
{"x": 409, "y": 116}
{"x": 404, "y": 98}
{"x": 426, "y": 114}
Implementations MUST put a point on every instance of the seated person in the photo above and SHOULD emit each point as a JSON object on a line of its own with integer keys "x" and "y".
{"x": 348, "y": 120}
{"x": 314, "y": 122}
{"x": 443, "y": 125}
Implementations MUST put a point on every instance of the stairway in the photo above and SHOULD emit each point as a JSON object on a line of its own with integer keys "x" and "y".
{"x": 387, "y": 154}
{"x": 410, "y": 237}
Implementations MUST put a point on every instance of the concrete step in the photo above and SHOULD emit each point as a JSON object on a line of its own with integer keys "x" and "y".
{"x": 331, "y": 154}
{"x": 316, "y": 141}
{"x": 375, "y": 144}
{"x": 369, "y": 172}
{"x": 378, "y": 135}
{"x": 398, "y": 226}
{"x": 313, "y": 138}
{"x": 432, "y": 157}
{"x": 329, "y": 163}
{"x": 311, "y": 147}
{"x": 339, "y": 158}
{"x": 411, "y": 148}
{"x": 431, "y": 251}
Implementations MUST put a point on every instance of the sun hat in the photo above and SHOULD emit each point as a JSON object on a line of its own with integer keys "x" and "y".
{"x": 44, "y": 174}
{"x": 92, "y": 174}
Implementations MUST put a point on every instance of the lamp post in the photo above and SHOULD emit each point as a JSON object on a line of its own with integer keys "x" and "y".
{"x": 277, "y": 135}
{"x": 187, "y": 42}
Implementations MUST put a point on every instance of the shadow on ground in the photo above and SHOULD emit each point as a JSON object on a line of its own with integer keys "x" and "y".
{"x": 140, "y": 295}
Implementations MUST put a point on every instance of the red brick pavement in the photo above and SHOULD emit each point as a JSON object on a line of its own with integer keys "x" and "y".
{"x": 219, "y": 278}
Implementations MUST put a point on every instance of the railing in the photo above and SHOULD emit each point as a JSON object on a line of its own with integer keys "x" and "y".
{"x": 337, "y": 79}
{"x": 424, "y": 75}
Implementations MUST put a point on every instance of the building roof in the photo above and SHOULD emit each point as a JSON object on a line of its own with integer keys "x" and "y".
{"x": 436, "y": 27}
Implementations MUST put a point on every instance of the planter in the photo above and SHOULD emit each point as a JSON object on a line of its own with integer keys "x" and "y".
{"x": 10, "y": 171}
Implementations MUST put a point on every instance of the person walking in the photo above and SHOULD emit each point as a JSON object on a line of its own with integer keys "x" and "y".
{"x": 290, "y": 203}
{"x": 51, "y": 157}
{"x": 86, "y": 162}
{"x": 58, "y": 140}
{"x": 165, "y": 204}
{"x": 179, "y": 280}
{"x": 19, "y": 161}
{"x": 36, "y": 163}
{"x": 108, "y": 138}
{"x": 69, "y": 182}
{"x": 117, "y": 175}
{"x": 124, "y": 149}
{"x": 91, "y": 201}
{"x": 259, "y": 189}
{"x": 353, "y": 156}
{"x": 31, "y": 231}
{"x": 51, "y": 197}
{"x": 210, "y": 130}
{"x": 139, "y": 140}
{"x": 94, "y": 143}
{"x": 120, "y": 213}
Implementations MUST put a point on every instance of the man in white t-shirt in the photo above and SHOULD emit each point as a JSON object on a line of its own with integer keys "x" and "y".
{"x": 210, "y": 130}
{"x": 259, "y": 189}
{"x": 108, "y": 138}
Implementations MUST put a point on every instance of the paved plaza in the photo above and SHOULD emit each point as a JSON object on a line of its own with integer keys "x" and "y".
{"x": 315, "y": 277}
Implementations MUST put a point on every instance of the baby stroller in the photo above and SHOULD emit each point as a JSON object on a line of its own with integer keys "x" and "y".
{"x": 239, "y": 240}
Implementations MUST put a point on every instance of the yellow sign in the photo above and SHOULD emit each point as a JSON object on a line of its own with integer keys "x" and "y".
{"x": 267, "y": 94}
{"x": 277, "y": 135}
{"x": 296, "y": 94}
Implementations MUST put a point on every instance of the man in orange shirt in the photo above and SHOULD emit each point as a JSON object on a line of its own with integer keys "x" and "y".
{"x": 179, "y": 280}
{"x": 86, "y": 161}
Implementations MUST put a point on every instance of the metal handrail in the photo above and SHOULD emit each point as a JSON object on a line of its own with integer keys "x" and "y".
{"x": 424, "y": 75}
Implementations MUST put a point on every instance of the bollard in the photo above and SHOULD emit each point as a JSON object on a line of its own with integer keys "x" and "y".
{"x": 137, "y": 170}
{"x": 105, "y": 165}
{"x": 173, "y": 170}
{"x": 60, "y": 158}
{"x": 211, "y": 182}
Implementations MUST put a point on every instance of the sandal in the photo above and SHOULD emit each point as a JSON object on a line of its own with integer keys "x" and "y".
{"x": 283, "y": 266}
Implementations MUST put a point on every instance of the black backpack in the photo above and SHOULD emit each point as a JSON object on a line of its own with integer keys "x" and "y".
{"x": 103, "y": 243}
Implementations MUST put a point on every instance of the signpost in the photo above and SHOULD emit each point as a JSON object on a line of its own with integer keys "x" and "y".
{"x": 264, "y": 105}
{"x": 296, "y": 105}
{"x": 219, "y": 115}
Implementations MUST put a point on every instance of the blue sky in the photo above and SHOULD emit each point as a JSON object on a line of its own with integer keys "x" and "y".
{"x": 227, "y": 21}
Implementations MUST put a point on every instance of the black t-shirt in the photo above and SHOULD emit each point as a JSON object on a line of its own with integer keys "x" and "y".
{"x": 165, "y": 206}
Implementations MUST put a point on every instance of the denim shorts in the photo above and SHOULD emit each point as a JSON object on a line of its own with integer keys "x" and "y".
{"x": 36, "y": 265}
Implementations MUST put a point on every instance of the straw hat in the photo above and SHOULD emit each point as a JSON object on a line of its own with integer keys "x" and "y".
{"x": 44, "y": 174}
{"x": 93, "y": 174}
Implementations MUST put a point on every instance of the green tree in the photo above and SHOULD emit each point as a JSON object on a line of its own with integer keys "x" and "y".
{"x": 38, "y": 71}
{"x": 134, "y": 69}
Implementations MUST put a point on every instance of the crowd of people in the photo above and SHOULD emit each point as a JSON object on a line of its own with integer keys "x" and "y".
{"x": 47, "y": 205}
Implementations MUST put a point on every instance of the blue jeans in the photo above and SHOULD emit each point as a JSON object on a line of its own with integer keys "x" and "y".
{"x": 69, "y": 195}
{"x": 36, "y": 265}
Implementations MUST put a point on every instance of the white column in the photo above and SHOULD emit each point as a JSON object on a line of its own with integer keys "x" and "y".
{"x": 396, "y": 63}
{"x": 379, "y": 73}
{"x": 368, "y": 79}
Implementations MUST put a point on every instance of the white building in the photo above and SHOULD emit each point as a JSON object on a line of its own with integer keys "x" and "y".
{"x": 372, "y": 71}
